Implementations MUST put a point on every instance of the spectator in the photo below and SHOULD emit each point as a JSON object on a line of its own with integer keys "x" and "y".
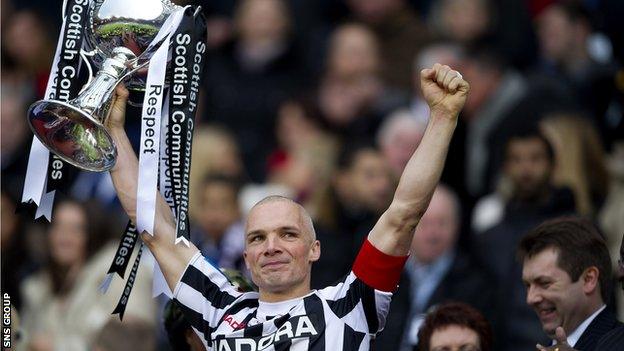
{"x": 214, "y": 151}
{"x": 220, "y": 232}
{"x": 15, "y": 135}
{"x": 495, "y": 90}
{"x": 63, "y": 309}
{"x": 398, "y": 137}
{"x": 352, "y": 98}
{"x": 437, "y": 271}
{"x": 247, "y": 80}
{"x": 527, "y": 178}
{"x": 455, "y": 326}
{"x": 505, "y": 23}
{"x": 567, "y": 273}
{"x": 531, "y": 199}
{"x": 27, "y": 45}
{"x": 501, "y": 101}
{"x": 571, "y": 53}
{"x": 306, "y": 154}
{"x": 361, "y": 189}
{"x": 580, "y": 162}
{"x": 395, "y": 24}
{"x": 461, "y": 21}
{"x": 16, "y": 258}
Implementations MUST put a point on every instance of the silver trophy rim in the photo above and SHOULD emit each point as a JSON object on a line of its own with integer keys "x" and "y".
{"x": 108, "y": 166}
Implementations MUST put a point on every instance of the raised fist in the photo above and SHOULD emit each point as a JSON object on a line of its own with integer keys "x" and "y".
{"x": 444, "y": 90}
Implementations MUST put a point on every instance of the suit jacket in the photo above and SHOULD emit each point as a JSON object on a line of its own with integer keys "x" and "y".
{"x": 604, "y": 322}
{"x": 612, "y": 341}
{"x": 466, "y": 281}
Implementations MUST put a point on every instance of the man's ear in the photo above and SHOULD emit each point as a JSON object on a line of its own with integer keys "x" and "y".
{"x": 590, "y": 279}
{"x": 245, "y": 258}
{"x": 315, "y": 251}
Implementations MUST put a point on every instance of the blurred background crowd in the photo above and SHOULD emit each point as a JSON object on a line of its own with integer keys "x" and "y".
{"x": 319, "y": 100}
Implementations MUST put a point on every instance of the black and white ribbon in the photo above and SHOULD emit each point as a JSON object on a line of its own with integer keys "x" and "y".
{"x": 189, "y": 48}
{"x": 149, "y": 152}
{"x": 125, "y": 296}
{"x": 122, "y": 256}
{"x": 47, "y": 173}
{"x": 148, "y": 159}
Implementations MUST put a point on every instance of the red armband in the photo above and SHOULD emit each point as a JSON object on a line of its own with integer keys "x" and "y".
{"x": 377, "y": 269}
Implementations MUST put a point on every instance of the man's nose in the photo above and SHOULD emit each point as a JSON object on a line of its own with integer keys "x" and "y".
{"x": 272, "y": 245}
{"x": 533, "y": 296}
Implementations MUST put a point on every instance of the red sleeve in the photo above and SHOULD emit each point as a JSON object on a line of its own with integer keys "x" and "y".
{"x": 377, "y": 269}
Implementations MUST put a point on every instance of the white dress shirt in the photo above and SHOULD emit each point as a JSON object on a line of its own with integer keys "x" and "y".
{"x": 574, "y": 337}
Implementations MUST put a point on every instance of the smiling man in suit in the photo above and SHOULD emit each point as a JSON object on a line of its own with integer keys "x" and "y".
{"x": 614, "y": 340}
{"x": 567, "y": 271}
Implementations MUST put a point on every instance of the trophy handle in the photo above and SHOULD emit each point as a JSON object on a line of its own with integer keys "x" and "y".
{"x": 137, "y": 64}
{"x": 85, "y": 58}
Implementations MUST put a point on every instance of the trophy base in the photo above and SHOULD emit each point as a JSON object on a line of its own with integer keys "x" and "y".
{"x": 73, "y": 135}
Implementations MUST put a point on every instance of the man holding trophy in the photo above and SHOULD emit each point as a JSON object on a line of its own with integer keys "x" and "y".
{"x": 281, "y": 246}
{"x": 155, "y": 47}
{"x": 280, "y": 241}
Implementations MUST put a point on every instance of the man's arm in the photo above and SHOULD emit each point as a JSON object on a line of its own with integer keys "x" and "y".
{"x": 445, "y": 92}
{"x": 171, "y": 258}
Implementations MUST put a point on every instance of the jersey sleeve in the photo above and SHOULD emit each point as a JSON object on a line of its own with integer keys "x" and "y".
{"x": 362, "y": 298}
{"x": 205, "y": 295}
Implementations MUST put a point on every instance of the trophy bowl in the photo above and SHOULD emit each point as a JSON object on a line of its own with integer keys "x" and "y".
{"x": 130, "y": 24}
{"x": 118, "y": 37}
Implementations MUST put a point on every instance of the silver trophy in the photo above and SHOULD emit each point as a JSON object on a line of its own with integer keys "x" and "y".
{"x": 118, "y": 38}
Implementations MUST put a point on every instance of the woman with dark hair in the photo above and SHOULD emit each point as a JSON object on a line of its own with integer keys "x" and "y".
{"x": 63, "y": 309}
{"x": 455, "y": 327}
{"x": 17, "y": 262}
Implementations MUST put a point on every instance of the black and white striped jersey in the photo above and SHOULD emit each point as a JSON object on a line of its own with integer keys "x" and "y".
{"x": 346, "y": 316}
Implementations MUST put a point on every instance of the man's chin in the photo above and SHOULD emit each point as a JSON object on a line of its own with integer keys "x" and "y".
{"x": 549, "y": 329}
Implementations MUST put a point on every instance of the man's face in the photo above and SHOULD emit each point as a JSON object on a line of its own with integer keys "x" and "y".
{"x": 219, "y": 208}
{"x": 556, "y": 34}
{"x": 279, "y": 248}
{"x": 399, "y": 149}
{"x": 551, "y": 293}
{"x": 68, "y": 235}
{"x": 437, "y": 230}
{"x": 528, "y": 166}
{"x": 454, "y": 337}
{"x": 370, "y": 181}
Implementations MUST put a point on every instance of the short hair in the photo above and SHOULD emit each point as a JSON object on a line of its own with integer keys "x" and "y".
{"x": 219, "y": 178}
{"x": 395, "y": 122}
{"x": 350, "y": 151}
{"x": 429, "y": 55}
{"x": 579, "y": 246}
{"x": 458, "y": 314}
{"x": 530, "y": 132}
{"x": 486, "y": 55}
{"x": 305, "y": 216}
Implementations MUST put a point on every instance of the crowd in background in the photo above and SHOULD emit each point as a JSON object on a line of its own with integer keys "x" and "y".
{"x": 319, "y": 101}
